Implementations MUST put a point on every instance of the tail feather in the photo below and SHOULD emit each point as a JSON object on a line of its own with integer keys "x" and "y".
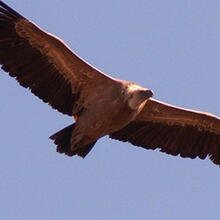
{"x": 62, "y": 140}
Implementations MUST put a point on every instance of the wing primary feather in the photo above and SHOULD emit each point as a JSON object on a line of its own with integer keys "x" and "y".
{"x": 9, "y": 9}
{"x": 215, "y": 156}
{"x": 206, "y": 148}
{"x": 38, "y": 59}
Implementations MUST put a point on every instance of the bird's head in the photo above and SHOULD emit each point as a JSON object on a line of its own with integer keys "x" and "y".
{"x": 138, "y": 96}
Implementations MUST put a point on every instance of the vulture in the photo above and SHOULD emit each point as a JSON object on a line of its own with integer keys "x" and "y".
{"x": 100, "y": 105}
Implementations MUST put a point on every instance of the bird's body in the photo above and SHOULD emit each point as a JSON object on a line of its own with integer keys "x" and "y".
{"x": 108, "y": 106}
{"x": 100, "y": 104}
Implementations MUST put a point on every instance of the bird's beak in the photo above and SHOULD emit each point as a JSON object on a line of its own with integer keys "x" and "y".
{"x": 148, "y": 93}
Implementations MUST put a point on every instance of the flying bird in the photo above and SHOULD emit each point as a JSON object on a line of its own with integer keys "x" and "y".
{"x": 101, "y": 105}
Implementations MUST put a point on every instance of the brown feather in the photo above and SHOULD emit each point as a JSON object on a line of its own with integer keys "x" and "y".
{"x": 188, "y": 141}
{"x": 43, "y": 63}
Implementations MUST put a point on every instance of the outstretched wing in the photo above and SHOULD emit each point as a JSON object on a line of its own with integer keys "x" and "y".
{"x": 174, "y": 131}
{"x": 43, "y": 63}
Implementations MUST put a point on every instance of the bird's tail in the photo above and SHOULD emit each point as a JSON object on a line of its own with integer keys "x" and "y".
{"x": 62, "y": 140}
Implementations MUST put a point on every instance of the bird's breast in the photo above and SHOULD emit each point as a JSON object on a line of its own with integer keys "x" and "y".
{"x": 107, "y": 111}
{"x": 110, "y": 116}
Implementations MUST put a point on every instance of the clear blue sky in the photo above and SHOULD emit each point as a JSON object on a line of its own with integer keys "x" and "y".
{"x": 172, "y": 47}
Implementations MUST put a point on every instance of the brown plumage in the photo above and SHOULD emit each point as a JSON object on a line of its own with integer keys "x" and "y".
{"x": 100, "y": 104}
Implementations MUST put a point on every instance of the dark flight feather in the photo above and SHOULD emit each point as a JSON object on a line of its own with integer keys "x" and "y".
{"x": 100, "y": 104}
{"x": 174, "y": 131}
{"x": 25, "y": 53}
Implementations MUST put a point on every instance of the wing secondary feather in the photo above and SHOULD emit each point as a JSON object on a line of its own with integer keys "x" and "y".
{"x": 43, "y": 63}
{"x": 174, "y": 131}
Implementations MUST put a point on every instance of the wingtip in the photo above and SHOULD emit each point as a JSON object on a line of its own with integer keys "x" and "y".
{"x": 10, "y": 10}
